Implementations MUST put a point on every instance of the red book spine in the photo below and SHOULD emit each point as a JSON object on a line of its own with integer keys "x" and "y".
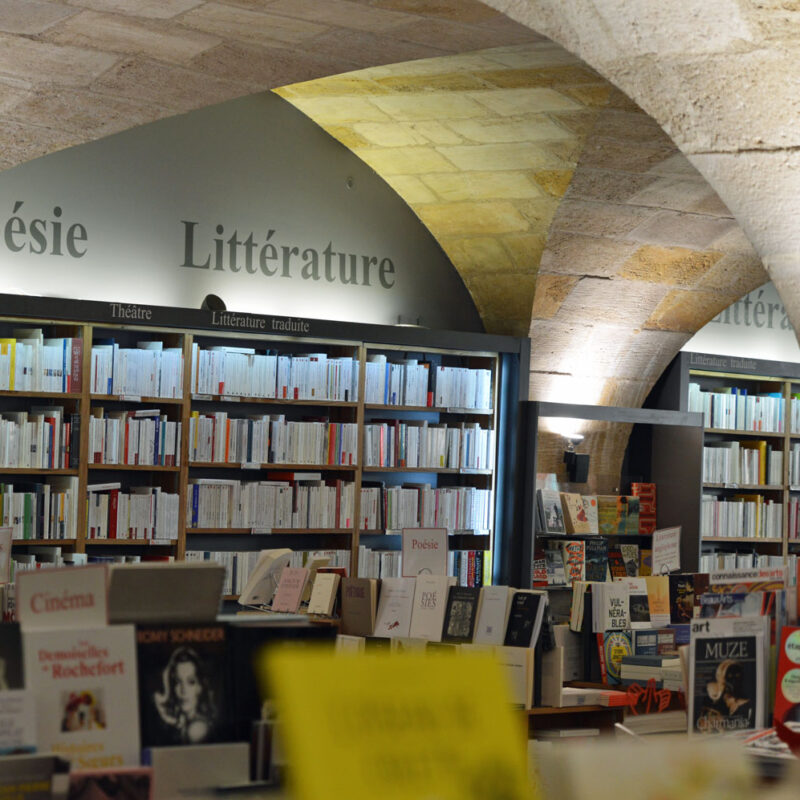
{"x": 77, "y": 365}
{"x": 113, "y": 504}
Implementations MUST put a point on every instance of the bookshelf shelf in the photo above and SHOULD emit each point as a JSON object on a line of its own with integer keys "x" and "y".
{"x": 744, "y": 487}
{"x": 742, "y": 540}
{"x": 437, "y": 470}
{"x": 267, "y": 532}
{"x": 36, "y": 471}
{"x": 37, "y": 542}
{"x": 273, "y": 467}
{"x": 131, "y": 542}
{"x": 42, "y": 395}
{"x": 748, "y": 433}
{"x": 483, "y": 412}
{"x": 131, "y": 468}
{"x": 271, "y": 401}
{"x": 122, "y": 398}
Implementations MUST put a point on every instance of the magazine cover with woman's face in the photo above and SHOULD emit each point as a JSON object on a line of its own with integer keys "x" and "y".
{"x": 183, "y": 685}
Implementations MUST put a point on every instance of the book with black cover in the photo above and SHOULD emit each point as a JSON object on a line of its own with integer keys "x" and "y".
{"x": 460, "y": 614}
{"x": 596, "y": 558}
{"x": 525, "y": 618}
{"x": 11, "y": 672}
{"x": 184, "y": 695}
{"x": 249, "y": 639}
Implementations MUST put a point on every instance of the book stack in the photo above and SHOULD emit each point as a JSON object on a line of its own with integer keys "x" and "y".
{"x": 666, "y": 671}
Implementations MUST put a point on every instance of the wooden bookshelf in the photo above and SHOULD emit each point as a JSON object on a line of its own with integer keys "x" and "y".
{"x": 503, "y": 359}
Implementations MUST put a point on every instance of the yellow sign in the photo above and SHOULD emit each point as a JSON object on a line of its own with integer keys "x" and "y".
{"x": 361, "y": 726}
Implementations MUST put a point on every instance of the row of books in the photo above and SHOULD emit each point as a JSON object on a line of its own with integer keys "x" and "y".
{"x": 469, "y": 567}
{"x": 270, "y": 439}
{"x": 561, "y": 512}
{"x": 411, "y": 382}
{"x": 722, "y": 560}
{"x": 239, "y": 565}
{"x": 734, "y": 409}
{"x": 144, "y": 512}
{"x": 40, "y": 510}
{"x": 457, "y": 508}
{"x": 794, "y": 518}
{"x": 434, "y": 608}
{"x": 242, "y": 372}
{"x": 749, "y": 516}
{"x": 219, "y": 504}
{"x": 410, "y": 444}
{"x": 44, "y": 437}
{"x": 147, "y": 370}
{"x": 749, "y": 462}
{"x": 139, "y": 437}
{"x": 563, "y": 561}
{"x": 31, "y": 363}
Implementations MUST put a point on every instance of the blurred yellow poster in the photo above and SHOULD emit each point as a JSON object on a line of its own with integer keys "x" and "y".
{"x": 361, "y": 726}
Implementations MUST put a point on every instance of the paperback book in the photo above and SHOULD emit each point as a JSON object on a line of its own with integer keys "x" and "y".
{"x": 85, "y": 682}
{"x": 727, "y": 675}
{"x": 461, "y": 613}
{"x": 393, "y": 617}
{"x": 183, "y": 684}
{"x": 525, "y": 618}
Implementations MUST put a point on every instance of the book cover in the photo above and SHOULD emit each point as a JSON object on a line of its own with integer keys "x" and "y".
{"x": 554, "y": 567}
{"x": 539, "y": 568}
{"x": 631, "y": 515}
{"x": 552, "y": 512}
{"x": 658, "y": 598}
{"x": 630, "y": 555}
{"x": 645, "y": 562}
{"x": 573, "y": 553}
{"x": 787, "y": 685}
{"x": 17, "y": 722}
{"x": 33, "y": 776}
{"x": 359, "y": 606}
{"x": 424, "y": 551}
{"x": 525, "y": 618}
{"x": 122, "y": 783}
{"x": 596, "y": 558}
{"x": 727, "y": 675}
{"x": 323, "y": 593}
{"x": 493, "y": 614}
{"x": 616, "y": 564}
{"x": 638, "y": 603}
{"x": 610, "y": 514}
{"x": 461, "y": 613}
{"x": 615, "y": 645}
{"x": 430, "y": 602}
{"x": 590, "y": 509}
{"x": 183, "y": 685}
{"x": 681, "y": 598}
{"x": 289, "y": 592}
{"x": 575, "y": 519}
{"x": 250, "y": 638}
{"x": 611, "y": 604}
{"x": 85, "y": 682}
{"x": 395, "y": 603}
{"x": 11, "y": 672}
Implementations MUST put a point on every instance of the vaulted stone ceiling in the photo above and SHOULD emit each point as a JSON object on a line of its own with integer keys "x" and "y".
{"x": 548, "y": 189}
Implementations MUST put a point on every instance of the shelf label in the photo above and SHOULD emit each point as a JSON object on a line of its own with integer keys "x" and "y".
{"x": 250, "y": 465}
{"x": 201, "y": 397}
{"x": 254, "y": 531}
{"x": 730, "y": 485}
{"x": 229, "y": 398}
{"x": 163, "y": 541}
{"x": 131, "y": 398}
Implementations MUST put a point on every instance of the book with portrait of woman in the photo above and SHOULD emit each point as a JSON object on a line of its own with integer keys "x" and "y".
{"x": 184, "y": 696}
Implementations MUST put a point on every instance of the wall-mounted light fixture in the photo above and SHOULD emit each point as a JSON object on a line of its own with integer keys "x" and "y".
{"x": 212, "y": 302}
{"x": 577, "y": 463}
